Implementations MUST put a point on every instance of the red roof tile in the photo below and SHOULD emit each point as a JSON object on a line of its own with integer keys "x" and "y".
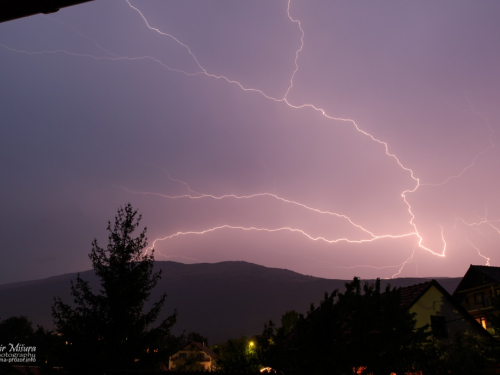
{"x": 410, "y": 294}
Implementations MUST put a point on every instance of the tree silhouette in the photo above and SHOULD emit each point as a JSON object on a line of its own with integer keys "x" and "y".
{"x": 237, "y": 355}
{"x": 363, "y": 329}
{"x": 109, "y": 330}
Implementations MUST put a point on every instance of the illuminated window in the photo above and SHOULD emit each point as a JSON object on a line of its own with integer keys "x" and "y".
{"x": 438, "y": 326}
{"x": 482, "y": 321}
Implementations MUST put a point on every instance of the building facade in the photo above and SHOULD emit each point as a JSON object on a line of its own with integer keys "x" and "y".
{"x": 193, "y": 356}
{"x": 435, "y": 307}
{"x": 476, "y": 293}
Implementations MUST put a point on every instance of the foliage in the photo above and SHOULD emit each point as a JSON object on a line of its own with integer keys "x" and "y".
{"x": 494, "y": 317}
{"x": 196, "y": 337}
{"x": 237, "y": 355}
{"x": 19, "y": 330}
{"x": 289, "y": 321}
{"x": 109, "y": 329}
{"x": 274, "y": 347}
{"x": 16, "y": 330}
{"x": 469, "y": 354}
{"x": 464, "y": 355}
{"x": 381, "y": 334}
{"x": 191, "y": 363}
{"x": 363, "y": 328}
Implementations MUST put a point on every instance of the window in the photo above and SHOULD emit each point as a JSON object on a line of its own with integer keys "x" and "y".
{"x": 486, "y": 300}
{"x": 466, "y": 303}
{"x": 481, "y": 299}
{"x": 482, "y": 321}
{"x": 182, "y": 355}
{"x": 438, "y": 325}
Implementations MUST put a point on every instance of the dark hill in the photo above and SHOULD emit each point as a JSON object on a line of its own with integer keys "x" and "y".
{"x": 218, "y": 300}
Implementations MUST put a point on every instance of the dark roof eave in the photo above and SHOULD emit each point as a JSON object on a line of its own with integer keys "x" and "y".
{"x": 486, "y": 271}
{"x": 14, "y": 9}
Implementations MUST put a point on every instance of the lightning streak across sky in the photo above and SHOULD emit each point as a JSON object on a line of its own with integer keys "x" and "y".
{"x": 361, "y": 231}
{"x": 323, "y": 113}
{"x": 479, "y": 252}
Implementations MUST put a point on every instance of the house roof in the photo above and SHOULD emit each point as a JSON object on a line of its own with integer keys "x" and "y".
{"x": 411, "y": 294}
{"x": 478, "y": 275}
{"x": 205, "y": 348}
{"x": 491, "y": 272}
{"x": 202, "y": 347}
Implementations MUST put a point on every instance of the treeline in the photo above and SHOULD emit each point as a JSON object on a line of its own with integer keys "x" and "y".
{"x": 368, "y": 331}
{"x": 54, "y": 354}
{"x": 362, "y": 331}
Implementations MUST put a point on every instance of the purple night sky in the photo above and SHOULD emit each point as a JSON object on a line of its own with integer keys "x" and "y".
{"x": 361, "y": 151}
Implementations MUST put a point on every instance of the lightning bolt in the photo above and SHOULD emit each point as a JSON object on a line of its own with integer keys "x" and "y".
{"x": 316, "y": 109}
{"x": 296, "y": 52}
{"x": 82, "y": 35}
{"x": 478, "y": 155}
{"x": 410, "y": 259}
{"x": 288, "y": 229}
{"x": 400, "y": 266}
{"x": 194, "y": 195}
{"x": 479, "y": 252}
{"x": 114, "y": 57}
{"x": 482, "y": 221}
{"x": 276, "y": 197}
{"x": 476, "y": 226}
{"x": 369, "y": 266}
{"x": 199, "y": 195}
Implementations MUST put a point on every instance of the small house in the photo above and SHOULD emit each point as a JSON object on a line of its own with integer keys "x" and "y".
{"x": 434, "y": 306}
{"x": 193, "y": 356}
{"x": 476, "y": 292}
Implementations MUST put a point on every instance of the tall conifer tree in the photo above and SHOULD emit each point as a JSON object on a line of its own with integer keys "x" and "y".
{"x": 110, "y": 329}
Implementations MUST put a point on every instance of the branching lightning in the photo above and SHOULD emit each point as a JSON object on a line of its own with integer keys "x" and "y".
{"x": 276, "y": 197}
{"x": 479, "y": 252}
{"x": 409, "y": 260}
{"x": 475, "y": 226}
{"x": 478, "y": 155}
{"x": 367, "y": 235}
{"x": 296, "y": 52}
{"x": 257, "y": 229}
{"x": 322, "y": 112}
{"x": 400, "y": 266}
